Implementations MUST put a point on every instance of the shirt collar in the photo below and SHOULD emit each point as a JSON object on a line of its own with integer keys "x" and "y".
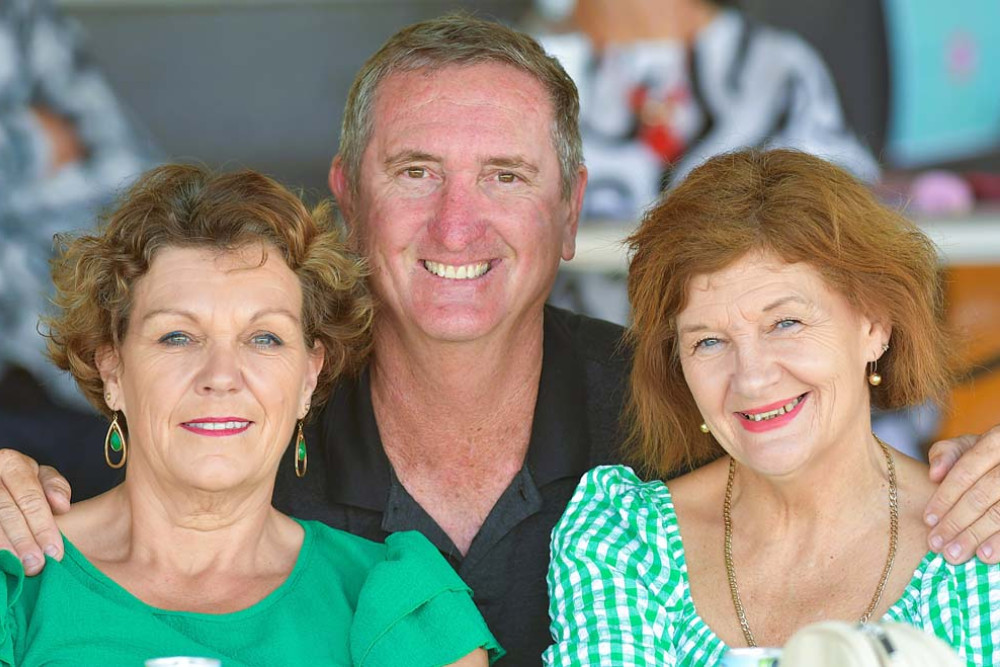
{"x": 360, "y": 473}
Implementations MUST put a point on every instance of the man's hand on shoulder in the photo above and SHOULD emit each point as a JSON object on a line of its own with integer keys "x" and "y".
{"x": 29, "y": 497}
{"x": 964, "y": 512}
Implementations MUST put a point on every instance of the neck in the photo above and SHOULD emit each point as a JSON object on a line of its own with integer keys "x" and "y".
{"x": 836, "y": 489}
{"x": 432, "y": 395}
{"x": 187, "y": 530}
{"x": 680, "y": 20}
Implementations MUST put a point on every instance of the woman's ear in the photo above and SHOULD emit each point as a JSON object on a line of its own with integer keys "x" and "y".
{"x": 876, "y": 332}
{"x": 108, "y": 363}
{"x": 315, "y": 365}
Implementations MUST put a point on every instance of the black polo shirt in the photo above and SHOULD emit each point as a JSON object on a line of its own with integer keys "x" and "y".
{"x": 352, "y": 486}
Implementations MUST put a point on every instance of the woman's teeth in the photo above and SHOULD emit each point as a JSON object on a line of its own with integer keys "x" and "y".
{"x": 771, "y": 414}
{"x": 218, "y": 426}
{"x": 451, "y": 272}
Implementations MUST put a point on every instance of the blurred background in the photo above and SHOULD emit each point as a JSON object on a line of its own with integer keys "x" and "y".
{"x": 910, "y": 88}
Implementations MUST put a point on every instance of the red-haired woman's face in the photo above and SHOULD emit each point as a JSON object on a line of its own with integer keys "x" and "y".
{"x": 776, "y": 362}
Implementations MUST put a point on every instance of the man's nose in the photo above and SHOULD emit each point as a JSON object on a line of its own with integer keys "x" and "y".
{"x": 458, "y": 215}
{"x": 221, "y": 372}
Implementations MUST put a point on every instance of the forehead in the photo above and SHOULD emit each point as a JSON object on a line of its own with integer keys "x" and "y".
{"x": 256, "y": 273}
{"x": 755, "y": 279}
{"x": 432, "y": 105}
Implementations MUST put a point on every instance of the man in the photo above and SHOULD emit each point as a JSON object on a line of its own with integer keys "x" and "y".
{"x": 460, "y": 176}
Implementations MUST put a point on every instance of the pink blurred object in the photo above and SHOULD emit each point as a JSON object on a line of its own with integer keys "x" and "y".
{"x": 941, "y": 192}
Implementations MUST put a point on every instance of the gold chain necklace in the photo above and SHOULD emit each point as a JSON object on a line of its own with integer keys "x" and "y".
{"x": 893, "y": 539}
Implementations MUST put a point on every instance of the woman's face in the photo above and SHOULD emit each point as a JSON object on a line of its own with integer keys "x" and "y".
{"x": 213, "y": 370}
{"x": 776, "y": 362}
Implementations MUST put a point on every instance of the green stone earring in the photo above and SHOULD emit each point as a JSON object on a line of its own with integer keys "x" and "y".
{"x": 114, "y": 441}
{"x": 301, "y": 458}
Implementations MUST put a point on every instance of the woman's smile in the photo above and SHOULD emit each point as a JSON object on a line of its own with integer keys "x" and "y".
{"x": 771, "y": 416}
{"x": 217, "y": 427}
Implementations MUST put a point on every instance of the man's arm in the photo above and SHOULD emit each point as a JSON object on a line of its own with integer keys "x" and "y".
{"x": 29, "y": 495}
{"x": 964, "y": 513}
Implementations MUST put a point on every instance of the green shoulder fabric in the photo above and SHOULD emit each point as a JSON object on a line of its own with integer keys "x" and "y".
{"x": 415, "y": 610}
{"x": 10, "y": 591}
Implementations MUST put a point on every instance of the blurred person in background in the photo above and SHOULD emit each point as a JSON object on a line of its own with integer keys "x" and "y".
{"x": 665, "y": 85}
{"x": 66, "y": 147}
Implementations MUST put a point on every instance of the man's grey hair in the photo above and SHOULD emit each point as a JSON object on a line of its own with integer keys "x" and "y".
{"x": 461, "y": 40}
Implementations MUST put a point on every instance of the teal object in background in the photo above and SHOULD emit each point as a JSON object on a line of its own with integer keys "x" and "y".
{"x": 944, "y": 71}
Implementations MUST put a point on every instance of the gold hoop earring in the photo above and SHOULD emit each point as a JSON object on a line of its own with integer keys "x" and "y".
{"x": 115, "y": 441}
{"x": 301, "y": 457}
{"x": 704, "y": 428}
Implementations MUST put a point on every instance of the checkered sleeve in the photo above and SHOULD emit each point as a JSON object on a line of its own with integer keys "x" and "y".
{"x": 604, "y": 577}
{"x": 961, "y": 604}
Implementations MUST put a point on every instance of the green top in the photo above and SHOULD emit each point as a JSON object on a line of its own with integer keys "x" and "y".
{"x": 347, "y": 601}
{"x": 620, "y": 595}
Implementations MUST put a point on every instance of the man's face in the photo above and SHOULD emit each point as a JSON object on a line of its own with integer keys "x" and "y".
{"x": 459, "y": 209}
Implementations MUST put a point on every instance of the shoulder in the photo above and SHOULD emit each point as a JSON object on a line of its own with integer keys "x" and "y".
{"x": 594, "y": 339}
{"x": 958, "y": 603}
{"x": 612, "y": 504}
{"x": 414, "y": 609}
{"x": 339, "y": 551}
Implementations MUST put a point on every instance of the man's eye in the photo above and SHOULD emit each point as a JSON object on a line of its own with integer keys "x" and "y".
{"x": 506, "y": 177}
{"x": 175, "y": 339}
{"x": 266, "y": 340}
{"x": 415, "y": 172}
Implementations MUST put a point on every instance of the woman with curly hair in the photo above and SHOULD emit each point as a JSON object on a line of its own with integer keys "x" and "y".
{"x": 206, "y": 319}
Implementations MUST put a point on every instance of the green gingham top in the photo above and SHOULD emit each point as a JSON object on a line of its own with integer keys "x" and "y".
{"x": 620, "y": 595}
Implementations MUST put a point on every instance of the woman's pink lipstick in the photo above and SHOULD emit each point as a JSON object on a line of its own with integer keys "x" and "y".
{"x": 217, "y": 427}
{"x": 786, "y": 411}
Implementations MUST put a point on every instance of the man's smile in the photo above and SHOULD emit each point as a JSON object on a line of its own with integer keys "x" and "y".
{"x": 457, "y": 272}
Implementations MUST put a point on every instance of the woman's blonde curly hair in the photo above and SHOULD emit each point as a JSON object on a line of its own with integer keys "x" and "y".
{"x": 185, "y": 206}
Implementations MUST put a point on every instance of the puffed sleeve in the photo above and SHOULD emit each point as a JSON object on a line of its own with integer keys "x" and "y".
{"x": 602, "y": 608}
{"x": 10, "y": 590}
{"x": 415, "y": 610}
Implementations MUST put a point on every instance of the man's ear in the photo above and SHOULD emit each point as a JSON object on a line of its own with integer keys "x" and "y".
{"x": 573, "y": 221}
{"x": 108, "y": 363}
{"x": 340, "y": 187}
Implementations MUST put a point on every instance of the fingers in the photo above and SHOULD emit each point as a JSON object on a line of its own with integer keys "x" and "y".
{"x": 57, "y": 489}
{"x": 944, "y": 454}
{"x": 965, "y": 510}
{"x": 26, "y": 523}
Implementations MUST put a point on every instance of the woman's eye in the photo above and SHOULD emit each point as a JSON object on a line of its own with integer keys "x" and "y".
{"x": 266, "y": 340}
{"x": 787, "y": 323}
{"x": 415, "y": 172}
{"x": 175, "y": 338}
{"x": 706, "y": 343}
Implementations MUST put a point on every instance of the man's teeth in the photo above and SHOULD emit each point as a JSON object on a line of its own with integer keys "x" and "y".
{"x": 463, "y": 272}
{"x": 771, "y": 414}
{"x": 218, "y": 426}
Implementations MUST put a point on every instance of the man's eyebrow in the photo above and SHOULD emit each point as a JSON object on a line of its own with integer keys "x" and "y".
{"x": 778, "y": 303}
{"x": 404, "y": 156}
{"x": 511, "y": 162}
